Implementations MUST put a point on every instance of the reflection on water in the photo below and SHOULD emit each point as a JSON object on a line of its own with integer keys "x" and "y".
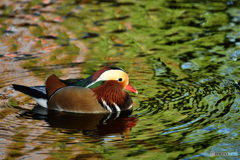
{"x": 97, "y": 124}
{"x": 182, "y": 56}
{"x": 68, "y": 133}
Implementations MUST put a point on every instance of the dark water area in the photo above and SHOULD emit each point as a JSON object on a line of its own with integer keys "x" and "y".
{"x": 181, "y": 55}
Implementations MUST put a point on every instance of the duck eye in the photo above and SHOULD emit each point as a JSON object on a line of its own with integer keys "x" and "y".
{"x": 120, "y": 79}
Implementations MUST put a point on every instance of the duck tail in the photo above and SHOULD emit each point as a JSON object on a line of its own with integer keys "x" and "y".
{"x": 31, "y": 91}
{"x": 38, "y": 93}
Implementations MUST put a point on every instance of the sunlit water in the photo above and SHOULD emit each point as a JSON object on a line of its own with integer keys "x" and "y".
{"x": 182, "y": 56}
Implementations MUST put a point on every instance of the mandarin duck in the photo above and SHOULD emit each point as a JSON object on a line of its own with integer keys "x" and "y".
{"x": 102, "y": 92}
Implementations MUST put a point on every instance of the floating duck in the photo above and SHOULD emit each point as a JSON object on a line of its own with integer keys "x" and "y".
{"x": 102, "y": 92}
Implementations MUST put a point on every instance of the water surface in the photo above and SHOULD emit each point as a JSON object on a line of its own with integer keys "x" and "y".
{"x": 182, "y": 56}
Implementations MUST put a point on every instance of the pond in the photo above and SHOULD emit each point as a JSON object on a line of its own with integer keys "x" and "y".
{"x": 181, "y": 55}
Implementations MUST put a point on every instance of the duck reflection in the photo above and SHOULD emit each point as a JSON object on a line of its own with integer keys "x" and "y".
{"x": 97, "y": 124}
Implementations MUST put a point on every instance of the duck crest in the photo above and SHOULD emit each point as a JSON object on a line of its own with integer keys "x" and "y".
{"x": 97, "y": 74}
{"x": 111, "y": 96}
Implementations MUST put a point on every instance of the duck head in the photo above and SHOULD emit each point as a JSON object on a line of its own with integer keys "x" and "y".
{"x": 109, "y": 84}
{"x": 114, "y": 74}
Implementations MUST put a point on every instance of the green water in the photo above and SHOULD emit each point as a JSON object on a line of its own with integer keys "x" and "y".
{"x": 182, "y": 56}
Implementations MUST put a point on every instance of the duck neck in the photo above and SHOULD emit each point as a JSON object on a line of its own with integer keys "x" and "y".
{"x": 111, "y": 96}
